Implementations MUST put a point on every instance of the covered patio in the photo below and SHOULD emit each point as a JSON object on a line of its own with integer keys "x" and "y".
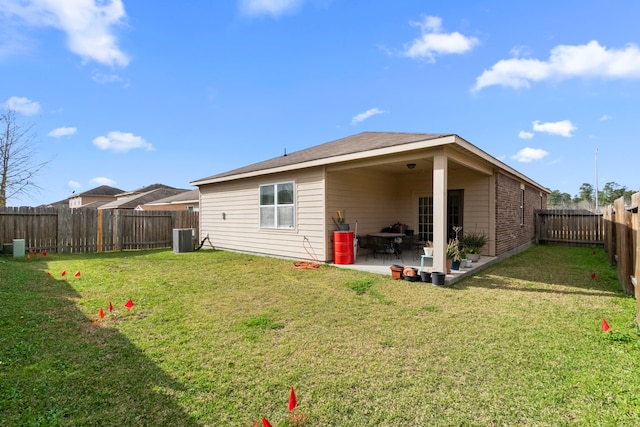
{"x": 382, "y": 266}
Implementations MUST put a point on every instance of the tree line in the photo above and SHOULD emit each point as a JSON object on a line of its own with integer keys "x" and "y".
{"x": 586, "y": 197}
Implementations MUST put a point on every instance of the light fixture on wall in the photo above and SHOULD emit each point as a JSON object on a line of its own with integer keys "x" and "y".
{"x": 411, "y": 165}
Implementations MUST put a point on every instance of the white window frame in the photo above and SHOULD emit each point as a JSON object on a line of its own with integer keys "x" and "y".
{"x": 276, "y": 207}
{"x": 522, "y": 197}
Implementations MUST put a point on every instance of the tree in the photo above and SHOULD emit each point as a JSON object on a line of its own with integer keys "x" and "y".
{"x": 586, "y": 192}
{"x": 612, "y": 191}
{"x": 556, "y": 198}
{"x": 17, "y": 158}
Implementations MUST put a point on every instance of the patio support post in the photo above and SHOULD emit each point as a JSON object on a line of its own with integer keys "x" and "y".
{"x": 440, "y": 173}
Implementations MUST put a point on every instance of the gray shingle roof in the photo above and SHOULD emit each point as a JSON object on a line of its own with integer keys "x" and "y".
{"x": 360, "y": 142}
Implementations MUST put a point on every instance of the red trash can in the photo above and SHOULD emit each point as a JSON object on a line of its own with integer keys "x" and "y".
{"x": 343, "y": 247}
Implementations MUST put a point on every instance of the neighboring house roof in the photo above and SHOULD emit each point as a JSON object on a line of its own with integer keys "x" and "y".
{"x": 103, "y": 190}
{"x": 95, "y": 204}
{"x": 356, "y": 147}
{"x": 146, "y": 189}
{"x": 187, "y": 196}
{"x": 130, "y": 202}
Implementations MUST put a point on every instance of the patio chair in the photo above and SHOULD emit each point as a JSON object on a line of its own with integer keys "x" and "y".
{"x": 365, "y": 242}
{"x": 410, "y": 246}
{"x": 382, "y": 248}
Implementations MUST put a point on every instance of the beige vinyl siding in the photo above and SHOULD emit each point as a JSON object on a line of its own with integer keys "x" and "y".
{"x": 240, "y": 229}
{"x": 366, "y": 196}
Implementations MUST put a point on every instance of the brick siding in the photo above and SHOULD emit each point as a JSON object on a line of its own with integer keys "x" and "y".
{"x": 511, "y": 230}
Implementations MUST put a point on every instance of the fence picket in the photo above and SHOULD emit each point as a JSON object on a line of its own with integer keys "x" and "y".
{"x": 91, "y": 230}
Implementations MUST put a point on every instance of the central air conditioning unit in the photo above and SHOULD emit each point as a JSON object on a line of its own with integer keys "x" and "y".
{"x": 183, "y": 239}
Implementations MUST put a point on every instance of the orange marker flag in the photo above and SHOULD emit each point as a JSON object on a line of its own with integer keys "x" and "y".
{"x": 593, "y": 276}
{"x": 28, "y": 256}
{"x": 129, "y": 304}
{"x": 44, "y": 253}
{"x": 64, "y": 273}
{"x": 110, "y": 307}
{"x": 265, "y": 423}
{"x": 77, "y": 274}
{"x": 101, "y": 313}
{"x": 292, "y": 400}
{"x": 48, "y": 274}
{"x": 605, "y": 325}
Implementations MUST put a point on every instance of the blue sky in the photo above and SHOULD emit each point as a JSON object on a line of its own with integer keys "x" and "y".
{"x": 130, "y": 93}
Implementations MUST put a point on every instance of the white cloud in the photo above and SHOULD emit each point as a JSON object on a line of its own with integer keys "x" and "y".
{"x": 106, "y": 78}
{"x": 121, "y": 142}
{"x": 88, "y": 24}
{"x": 269, "y": 7}
{"x": 527, "y": 155}
{"x": 74, "y": 184}
{"x": 63, "y": 131}
{"x": 525, "y": 135}
{"x": 433, "y": 41}
{"x": 590, "y": 60}
{"x": 562, "y": 128}
{"x": 100, "y": 180}
{"x": 605, "y": 117}
{"x": 22, "y": 105}
{"x": 364, "y": 116}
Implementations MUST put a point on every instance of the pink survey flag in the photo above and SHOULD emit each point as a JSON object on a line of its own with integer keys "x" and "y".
{"x": 77, "y": 274}
{"x": 593, "y": 276}
{"x": 101, "y": 313}
{"x": 64, "y": 273}
{"x": 265, "y": 423}
{"x": 110, "y": 307}
{"x": 605, "y": 325}
{"x": 129, "y": 304}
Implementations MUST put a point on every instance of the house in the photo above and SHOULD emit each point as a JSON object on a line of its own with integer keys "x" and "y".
{"x": 430, "y": 182}
{"x": 186, "y": 200}
{"x": 94, "y": 197}
{"x": 141, "y": 196}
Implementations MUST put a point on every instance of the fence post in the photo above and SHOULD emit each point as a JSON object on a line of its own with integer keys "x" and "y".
{"x": 623, "y": 250}
{"x": 635, "y": 200}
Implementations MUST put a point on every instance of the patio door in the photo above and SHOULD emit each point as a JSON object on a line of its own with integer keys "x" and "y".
{"x": 455, "y": 213}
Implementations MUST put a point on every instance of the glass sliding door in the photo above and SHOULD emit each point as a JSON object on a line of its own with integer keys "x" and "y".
{"x": 455, "y": 213}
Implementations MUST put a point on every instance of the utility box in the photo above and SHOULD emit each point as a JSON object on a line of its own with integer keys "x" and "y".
{"x": 18, "y": 248}
{"x": 183, "y": 240}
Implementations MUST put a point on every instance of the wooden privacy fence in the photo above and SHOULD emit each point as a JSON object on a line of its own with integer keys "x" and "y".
{"x": 567, "y": 227}
{"x": 92, "y": 230}
{"x": 622, "y": 243}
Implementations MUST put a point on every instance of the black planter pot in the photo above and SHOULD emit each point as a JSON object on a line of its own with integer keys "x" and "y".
{"x": 425, "y": 276}
{"x": 437, "y": 278}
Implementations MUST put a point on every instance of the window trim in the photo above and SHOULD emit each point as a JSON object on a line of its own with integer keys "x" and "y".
{"x": 277, "y": 205}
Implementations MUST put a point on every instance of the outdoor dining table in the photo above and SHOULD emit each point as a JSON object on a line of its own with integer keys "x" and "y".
{"x": 391, "y": 237}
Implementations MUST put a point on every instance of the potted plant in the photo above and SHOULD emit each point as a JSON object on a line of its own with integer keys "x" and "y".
{"x": 428, "y": 248}
{"x": 453, "y": 254}
{"x": 473, "y": 242}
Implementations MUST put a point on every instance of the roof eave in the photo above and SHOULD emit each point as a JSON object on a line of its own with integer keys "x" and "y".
{"x": 426, "y": 143}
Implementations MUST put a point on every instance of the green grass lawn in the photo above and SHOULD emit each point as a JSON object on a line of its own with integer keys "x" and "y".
{"x": 218, "y": 339}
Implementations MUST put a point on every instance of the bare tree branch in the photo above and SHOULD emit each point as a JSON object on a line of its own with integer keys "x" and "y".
{"x": 17, "y": 158}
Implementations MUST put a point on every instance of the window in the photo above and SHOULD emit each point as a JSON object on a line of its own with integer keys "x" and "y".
{"x": 455, "y": 205}
{"x": 277, "y": 207}
{"x": 425, "y": 218}
{"x": 521, "y": 204}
